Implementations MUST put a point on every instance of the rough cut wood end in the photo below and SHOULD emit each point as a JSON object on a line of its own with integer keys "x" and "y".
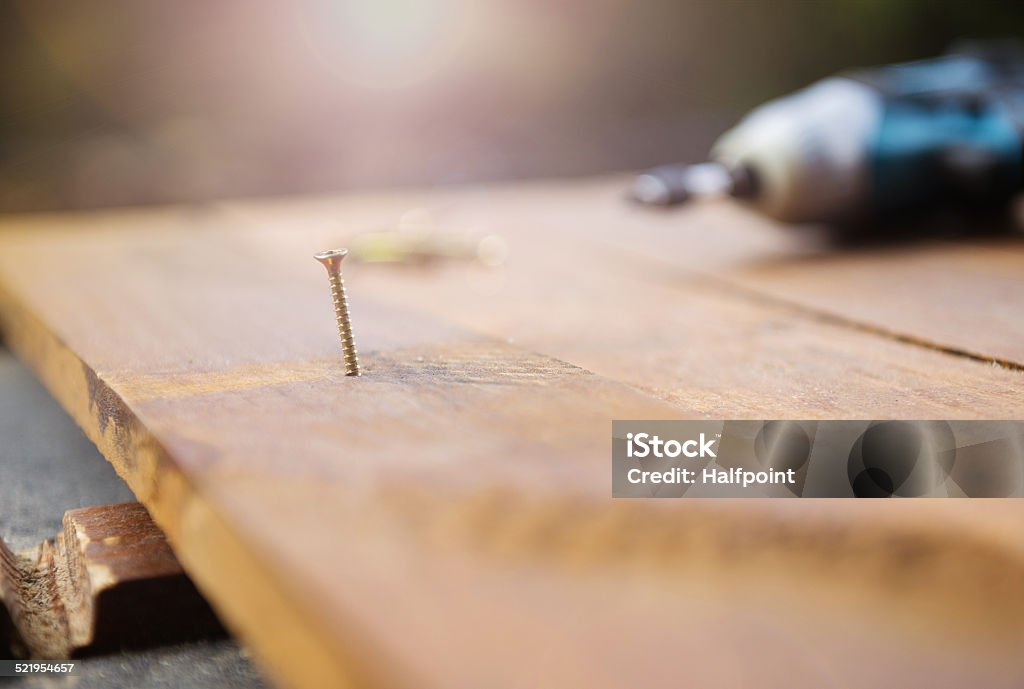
{"x": 109, "y": 580}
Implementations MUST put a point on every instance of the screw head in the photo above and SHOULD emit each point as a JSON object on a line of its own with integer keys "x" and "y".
{"x": 331, "y": 259}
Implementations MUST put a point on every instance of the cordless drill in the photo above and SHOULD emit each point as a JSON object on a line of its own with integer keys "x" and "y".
{"x": 871, "y": 144}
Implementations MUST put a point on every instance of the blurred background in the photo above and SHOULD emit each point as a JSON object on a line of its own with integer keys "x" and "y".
{"x": 126, "y": 102}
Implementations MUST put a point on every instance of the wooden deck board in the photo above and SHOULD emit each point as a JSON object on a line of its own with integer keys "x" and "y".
{"x": 709, "y": 349}
{"x": 448, "y": 515}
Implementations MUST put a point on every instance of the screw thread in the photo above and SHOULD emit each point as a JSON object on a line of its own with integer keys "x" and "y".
{"x": 348, "y": 344}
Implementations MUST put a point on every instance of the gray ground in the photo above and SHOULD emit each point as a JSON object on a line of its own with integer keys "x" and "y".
{"x": 41, "y": 451}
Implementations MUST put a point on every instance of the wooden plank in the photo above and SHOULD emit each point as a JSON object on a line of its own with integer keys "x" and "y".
{"x": 648, "y": 299}
{"x": 109, "y": 581}
{"x": 958, "y": 294}
{"x": 965, "y": 297}
{"x": 705, "y": 348}
{"x": 234, "y": 423}
{"x": 962, "y": 295}
{"x": 444, "y": 521}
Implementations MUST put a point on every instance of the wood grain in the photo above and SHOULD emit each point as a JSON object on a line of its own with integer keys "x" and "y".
{"x": 958, "y": 293}
{"x": 705, "y": 346}
{"x": 961, "y": 294}
{"x": 667, "y": 301}
{"x": 445, "y": 520}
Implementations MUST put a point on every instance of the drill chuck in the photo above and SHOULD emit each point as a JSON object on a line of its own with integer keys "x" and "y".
{"x": 808, "y": 153}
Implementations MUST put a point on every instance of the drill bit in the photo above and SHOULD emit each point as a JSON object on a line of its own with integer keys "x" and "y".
{"x": 669, "y": 185}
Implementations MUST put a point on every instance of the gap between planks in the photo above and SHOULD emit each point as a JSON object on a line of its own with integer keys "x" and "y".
{"x": 730, "y": 287}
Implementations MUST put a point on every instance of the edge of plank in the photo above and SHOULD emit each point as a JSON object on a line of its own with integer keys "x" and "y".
{"x": 139, "y": 458}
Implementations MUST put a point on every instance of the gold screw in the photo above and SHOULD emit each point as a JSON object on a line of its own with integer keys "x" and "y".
{"x": 331, "y": 260}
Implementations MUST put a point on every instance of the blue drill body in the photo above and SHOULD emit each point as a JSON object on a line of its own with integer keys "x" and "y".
{"x": 950, "y": 131}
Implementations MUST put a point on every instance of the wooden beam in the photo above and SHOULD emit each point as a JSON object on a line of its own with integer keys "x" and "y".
{"x": 108, "y": 581}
